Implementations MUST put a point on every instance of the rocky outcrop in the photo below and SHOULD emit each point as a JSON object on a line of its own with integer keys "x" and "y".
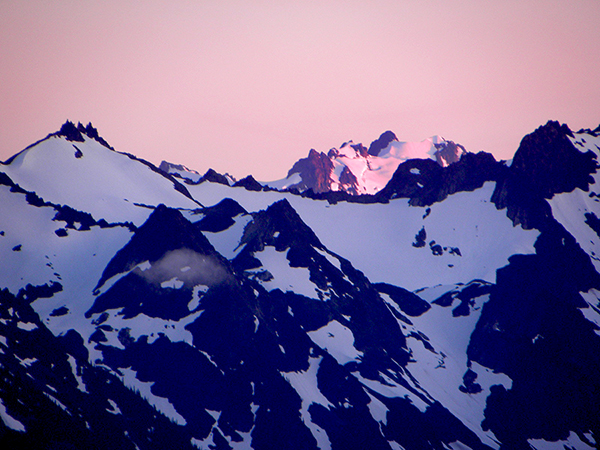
{"x": 382, "y": 142}
{"x": 545, "y": 164}
{"x": 315, "y": 171}
{"x": 425, "y": 182}
{"x": 249, "y": 183}
{"x": 448, "y": 152}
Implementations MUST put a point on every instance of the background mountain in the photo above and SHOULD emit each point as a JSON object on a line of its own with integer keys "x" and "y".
{"x": 455, "y": 306}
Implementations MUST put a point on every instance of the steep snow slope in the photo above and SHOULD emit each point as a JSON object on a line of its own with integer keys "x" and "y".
{"x": 475, "y": 238}
{"x": 91, "y": 177}
{"x": 576, "y": 210}
{"x": 34, "y": 254}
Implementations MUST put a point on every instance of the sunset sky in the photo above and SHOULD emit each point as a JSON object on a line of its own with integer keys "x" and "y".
{"x": 249, "y": 87}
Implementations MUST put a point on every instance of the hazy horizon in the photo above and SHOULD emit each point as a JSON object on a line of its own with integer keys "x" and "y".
{"x": 251, "y": 87}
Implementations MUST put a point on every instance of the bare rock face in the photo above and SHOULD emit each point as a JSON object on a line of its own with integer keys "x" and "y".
{"x": 315, "y": 171}
{"x": 545, "y": 164}
{"x": 448, "y": 152}
{"x": 425, "y": 182}
{"x": 382, "y": 142}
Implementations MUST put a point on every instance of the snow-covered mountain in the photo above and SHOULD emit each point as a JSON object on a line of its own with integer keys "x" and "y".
{"x": 357, "y": 170}
{"x": 456, "y": 307}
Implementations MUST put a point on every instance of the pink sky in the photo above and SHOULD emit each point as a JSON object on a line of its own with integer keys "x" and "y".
{"x": 250, "y": 86}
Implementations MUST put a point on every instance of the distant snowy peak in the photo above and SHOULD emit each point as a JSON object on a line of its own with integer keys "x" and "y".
{"x": 191, "y": 176}
{"x": 357, "y": 170}
{"x": 180, "y": 171}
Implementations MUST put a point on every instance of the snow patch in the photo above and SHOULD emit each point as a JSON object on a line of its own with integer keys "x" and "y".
{"x": 163, "y": 405}
{"x": 9, "y": 420}
{"x": 306, "y": 385}
{"x": 286, "y": 278}
{"x": 27, "y": 326}
{"x": 338, "y": 341}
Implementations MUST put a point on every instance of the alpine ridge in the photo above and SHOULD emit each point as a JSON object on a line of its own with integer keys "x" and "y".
{"x": 400, "y": 296}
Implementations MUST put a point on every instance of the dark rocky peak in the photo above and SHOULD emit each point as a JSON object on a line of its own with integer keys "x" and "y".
{"x": 358, "y": 148}
{"x": 361, "y": 149}
{"x": 220, "y": 216}
{"x": 315, "y": 171}
{"x": 425, "y": 182}
{"x": 214, "y": 177}
{"x": 76, "y": 133}
{"x": 70, "y": 131}
{"x": 249, "y": 183}
{"x": 279, "y": 225}
{"x": 382, "y": 142}
{"x": 448, "y": 152}
{"x": 165, "y": 230}
{"x": 545, "y": 164}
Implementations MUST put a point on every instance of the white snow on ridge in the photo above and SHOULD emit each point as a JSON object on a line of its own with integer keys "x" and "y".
{"x": 102, "y": 182}
{"x": 286, "y": 278}
{"x": 570, "y": 208}
{"x": 378, "y": 238}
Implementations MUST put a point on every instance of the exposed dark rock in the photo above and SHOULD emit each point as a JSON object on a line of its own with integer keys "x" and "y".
{"x": 61, "y": 232}
{"x": 545, "y": 164}
{"x": 349, "y": 181}
{"x": 166, "y": 229}
{"x": 59, "y": 311}
{"x": 436, "y": 249}
{"x": 59, "y": 410}
{"x": 531, "y": 327}
{"x": 31, "y": 293}
{"x": 361, "y": 149}
{"x": 315, "y": 171}
{"x": 220, "y": 216}
{"x": 92, "y": 132}
{"x": 381, "y": 143}
{"x": 411, "y": 304}
{"x": 214, "y": 177}
{"x": 448, "y": 152}
{"x": 469, "y": 385}
{"x": 420, "y": 238}
{"x": 434, "y": 183}
{"x": 71, "y": 132}
{"x": 249, "y": 183}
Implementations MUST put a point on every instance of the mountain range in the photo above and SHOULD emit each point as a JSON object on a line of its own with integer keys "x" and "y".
{"x": 400, "y": 296}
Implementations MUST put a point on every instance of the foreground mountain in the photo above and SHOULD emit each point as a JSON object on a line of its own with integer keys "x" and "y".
{"x": 458, "y": 307}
